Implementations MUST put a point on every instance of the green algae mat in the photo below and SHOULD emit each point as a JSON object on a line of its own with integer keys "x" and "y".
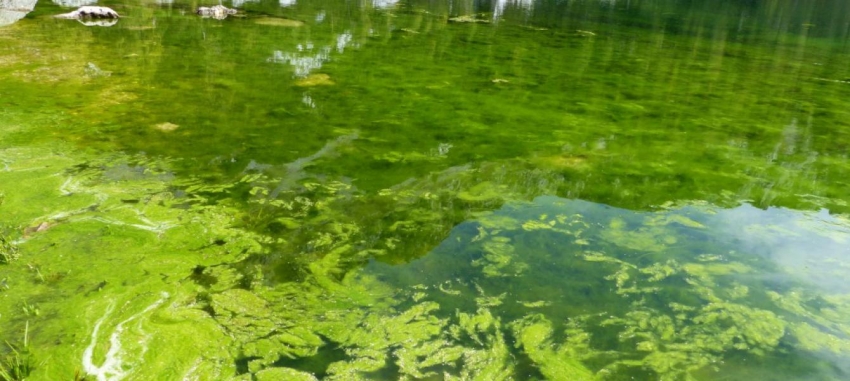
{"x": 426, "y": 190}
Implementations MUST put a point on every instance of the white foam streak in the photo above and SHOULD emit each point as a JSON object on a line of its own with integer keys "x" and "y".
{"x": 112, "y": 367}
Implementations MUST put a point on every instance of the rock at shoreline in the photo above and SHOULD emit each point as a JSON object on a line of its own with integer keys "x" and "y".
{"x": 90, "y": 12}
{"x": 218, "y": 12}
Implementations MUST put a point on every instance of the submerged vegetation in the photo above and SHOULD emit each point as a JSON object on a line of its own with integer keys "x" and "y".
{"x": 305, "y": 284}
{"x": 306, "y": 192}
{"x": 17, "y": 365}
{"x": 8, "y": 250}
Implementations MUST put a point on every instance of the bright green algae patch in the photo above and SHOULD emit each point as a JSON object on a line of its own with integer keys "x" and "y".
{"x": 104, "y": 270}
{"x": 127, "y": 271}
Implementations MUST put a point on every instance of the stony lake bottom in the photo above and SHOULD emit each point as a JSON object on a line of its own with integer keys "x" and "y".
{"x": 426, "y": 190}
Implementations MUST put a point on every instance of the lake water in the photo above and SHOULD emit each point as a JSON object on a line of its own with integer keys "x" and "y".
{"x": 426, "y": 190}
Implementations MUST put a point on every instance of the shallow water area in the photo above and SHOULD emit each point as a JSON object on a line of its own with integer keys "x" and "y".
{"x": 382, "y": 190}
{"x": 568, "y": 259}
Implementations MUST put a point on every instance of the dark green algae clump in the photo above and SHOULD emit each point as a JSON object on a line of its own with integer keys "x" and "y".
{"x": 138, "y": 274}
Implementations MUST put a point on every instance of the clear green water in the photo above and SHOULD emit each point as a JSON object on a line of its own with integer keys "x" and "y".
{"x": 563, "y": 190}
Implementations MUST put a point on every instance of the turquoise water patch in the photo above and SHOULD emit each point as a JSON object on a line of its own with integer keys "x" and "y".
{"x": 686, "y": 288}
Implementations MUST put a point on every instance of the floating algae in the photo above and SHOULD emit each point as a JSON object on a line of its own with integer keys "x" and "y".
{"x": 534, "y": 333}
{"x": 365, "y": 322}
{"x": 499, "y": 259}
{"x": 488, "y": 284}
{"x": 130, "y": 245}
{"x": 681, "y": 313}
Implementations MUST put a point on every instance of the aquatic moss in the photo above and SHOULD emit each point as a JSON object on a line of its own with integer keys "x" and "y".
{"x": 483, "y": 192}
{"x": 381, "y": 329}
{"x": 490, "y": 359}
{"x": 8, "y": 250}
{"x": 814, "y": 339}
{"x": 272, "y": 374}
{"x": 133, "y": 226}
{"x": 651, "y": 238}
{"x": 499, "y": 259}
{"x": 562, "y": 362}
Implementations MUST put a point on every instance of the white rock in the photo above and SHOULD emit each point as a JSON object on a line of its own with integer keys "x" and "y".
{"x": 218, "y": 12}
{"x": 90, "y": 12}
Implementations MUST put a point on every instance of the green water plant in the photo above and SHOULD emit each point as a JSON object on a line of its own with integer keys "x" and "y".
{"x": 79, "y": 376}
{"x": 18, "y": 364}
{"x": 30, "y": 309}
{"x": 556, "y": 362}
{"x": 8, "y": 249}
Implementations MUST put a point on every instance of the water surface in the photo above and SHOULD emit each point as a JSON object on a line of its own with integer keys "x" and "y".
{"x": 564, "y": 190}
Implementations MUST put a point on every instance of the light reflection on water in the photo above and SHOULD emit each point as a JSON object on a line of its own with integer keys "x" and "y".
{"x": 499, "y": 7}
{"x": 803, "y": 248}
{"x": 772, "y": 254}
{"x": 308, "y": 58}
{"x": 809, "y": 247}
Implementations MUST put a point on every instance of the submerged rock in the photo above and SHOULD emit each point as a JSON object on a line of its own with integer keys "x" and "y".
{"x": 311, "y": 80}
{"x": 90, "y": 12}
{"x": 218, "y": 12}
{"x": 36, "y": 228}
{"x": 166, "y": 127}
{"x": 92, "y": 70}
